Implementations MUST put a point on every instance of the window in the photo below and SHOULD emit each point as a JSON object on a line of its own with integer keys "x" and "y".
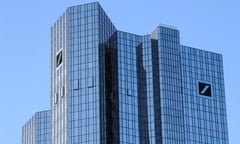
{"x": 75, "y": 84}
{"x": 62, "y": 91}
{"x": 55, "y": 98}
{"x": 90, "y": 82}
{"x": 129, "y": 92}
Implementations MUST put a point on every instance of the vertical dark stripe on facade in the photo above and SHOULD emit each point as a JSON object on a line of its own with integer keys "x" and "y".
{"x": 109, "y": 95}
{"x": 111, "y": 72}
{"x": 142, "y": 97}
{"x": 114, "y": 94}
{"x": 156, "y": 91}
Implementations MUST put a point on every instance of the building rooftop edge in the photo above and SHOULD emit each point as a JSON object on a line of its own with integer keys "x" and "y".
{"x": 167, "y": 26}
{"x": 218, "y": 53}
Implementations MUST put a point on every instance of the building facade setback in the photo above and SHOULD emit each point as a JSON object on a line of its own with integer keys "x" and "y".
{"x": 115, "y": 87}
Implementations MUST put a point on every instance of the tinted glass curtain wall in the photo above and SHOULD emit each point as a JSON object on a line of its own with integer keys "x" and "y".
{"x": 115, "y": 87}
{"x": 37, "y": 129}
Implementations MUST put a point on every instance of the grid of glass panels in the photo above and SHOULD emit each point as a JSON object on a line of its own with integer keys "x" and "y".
{"x": 170, "y": 85}
{"x": 205, "y": 117}
{"x": 127, "y": 82}
{"x": 107, "y": 40}
{"x": 37, "y": 129}
{"x": 83, "y": 97}
{"x": 43, "y": 127}
{"x": 155, "y": 86}
{"x": 89, "y": 30}
{"x": 147, "y": 89}
{"x": 150, "y": 91}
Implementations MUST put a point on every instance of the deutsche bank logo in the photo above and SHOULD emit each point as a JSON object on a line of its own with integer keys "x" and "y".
{"x": 59, "y": 59}
{"x": 204, "y": 89}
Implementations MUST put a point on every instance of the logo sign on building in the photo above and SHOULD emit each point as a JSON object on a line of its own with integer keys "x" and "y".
{"x": 59, "y": 59}
{"x": 204, "y": 89}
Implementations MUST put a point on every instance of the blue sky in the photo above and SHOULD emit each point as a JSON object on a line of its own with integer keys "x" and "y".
{"x": 25, "y": 48}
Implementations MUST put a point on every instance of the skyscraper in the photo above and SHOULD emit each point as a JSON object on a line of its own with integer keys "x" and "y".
{"x": 110, "y": 87}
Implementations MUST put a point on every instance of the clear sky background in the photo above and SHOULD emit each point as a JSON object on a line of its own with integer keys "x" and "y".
{"x": 212, "y": 25}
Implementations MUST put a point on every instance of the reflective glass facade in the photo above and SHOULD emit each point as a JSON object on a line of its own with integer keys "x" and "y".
{"x": 115, "y": 87}
{"x": 127, "y": 45}
{"x": 204, "y": 115}
{"x": 79, "y": 113}
{"x": 37, "y": 129}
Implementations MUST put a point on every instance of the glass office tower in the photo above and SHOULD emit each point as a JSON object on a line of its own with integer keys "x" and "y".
{"x": 203, "y": 92}
{"x": 37, "y": 129}
{"x": 79, "y": 41}
{"x": 115, "y": 87}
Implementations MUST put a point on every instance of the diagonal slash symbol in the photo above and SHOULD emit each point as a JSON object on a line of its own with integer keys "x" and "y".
{"x": 205, "y": 89}
{"x": 59, "y": 58}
